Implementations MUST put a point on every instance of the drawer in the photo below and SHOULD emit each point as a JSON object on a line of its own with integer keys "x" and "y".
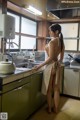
{"x": 15, "y": 84}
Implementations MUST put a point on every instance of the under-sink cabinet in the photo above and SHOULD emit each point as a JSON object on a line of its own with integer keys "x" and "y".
{"x": 71, "y": 83}
{"x": 22, "y": 97}
{"x": 16, "y": 101}
{"x": 37, "y": 98}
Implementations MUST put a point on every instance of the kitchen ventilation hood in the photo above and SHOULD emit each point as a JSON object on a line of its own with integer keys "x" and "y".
{"x": 64, "y": 8}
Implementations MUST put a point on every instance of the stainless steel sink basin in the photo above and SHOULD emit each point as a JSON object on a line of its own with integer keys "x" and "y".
{"x": 32, "y": 64}
{"x": 28, "y": 64}
{"x": 22, "y": 69}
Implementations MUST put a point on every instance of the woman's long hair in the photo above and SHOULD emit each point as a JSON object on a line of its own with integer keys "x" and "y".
{"x": 61, "y": 40}
{"x": 54, "y": 28}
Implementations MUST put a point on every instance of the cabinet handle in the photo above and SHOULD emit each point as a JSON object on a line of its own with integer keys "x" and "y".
{"x": 19, "y": 80}
{"x": 15, "y": 89}
{"x": 20, "y": 87}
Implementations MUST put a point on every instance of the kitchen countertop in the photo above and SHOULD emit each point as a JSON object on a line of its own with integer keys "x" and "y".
{"x": 72, "y": 67}
{"x": 18, "y": 74}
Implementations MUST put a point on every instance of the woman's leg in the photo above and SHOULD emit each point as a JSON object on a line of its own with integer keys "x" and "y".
{"x": 57, "y": 93}
{"x": 49, "y": 96}
{"x": 50, "y": 87}
{"x": 56, "y": 98}
{"x": 49, "y": 92}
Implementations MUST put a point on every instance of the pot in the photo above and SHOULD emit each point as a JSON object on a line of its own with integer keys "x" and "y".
{"x": 7, "y": 67}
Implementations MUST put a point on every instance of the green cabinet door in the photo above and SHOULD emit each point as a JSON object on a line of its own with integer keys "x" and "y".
{"x": 36, "y": 96}
{"x": 16, "y": 103}
{"x": 24, "y": 102}
{"x": 0, "y": 103}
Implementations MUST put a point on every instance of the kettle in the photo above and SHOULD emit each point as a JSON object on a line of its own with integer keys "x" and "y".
{"x": 7, "y": 67}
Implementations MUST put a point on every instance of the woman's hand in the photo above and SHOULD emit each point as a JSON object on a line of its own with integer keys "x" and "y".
{"x": 37, "y": 67}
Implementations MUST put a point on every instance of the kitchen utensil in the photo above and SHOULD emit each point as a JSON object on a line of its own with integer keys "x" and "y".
{"x": 7, "y": 67}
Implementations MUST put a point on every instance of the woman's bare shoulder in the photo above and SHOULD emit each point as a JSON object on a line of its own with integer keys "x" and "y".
{"x": 52, "y": 41}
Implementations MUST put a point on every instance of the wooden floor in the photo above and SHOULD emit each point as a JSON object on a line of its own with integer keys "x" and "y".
{"x": 69, "y": 110}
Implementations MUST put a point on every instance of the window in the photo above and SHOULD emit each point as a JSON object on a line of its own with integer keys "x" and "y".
{"x": 70, "y": 35}
{"x": 28, "y": 42}
{"x": 79, "y": 37}
{"x": 70, "y": 30}
{"x": 25, "y": 31}
{"x": 28, "y": 26}
{"x": 70, "y": 44}
{"x": 79, "y": 45}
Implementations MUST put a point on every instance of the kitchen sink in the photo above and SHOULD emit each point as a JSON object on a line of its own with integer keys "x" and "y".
{"x": 32, "y": 64}
{"x": 28, "y": 64}
{"x": 22, "y": 69}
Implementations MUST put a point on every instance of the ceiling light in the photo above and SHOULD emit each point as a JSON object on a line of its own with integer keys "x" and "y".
{"x": 33, "y": 10}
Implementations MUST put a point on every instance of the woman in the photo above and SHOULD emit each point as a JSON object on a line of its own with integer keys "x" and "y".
{"x": 55, "y": 51}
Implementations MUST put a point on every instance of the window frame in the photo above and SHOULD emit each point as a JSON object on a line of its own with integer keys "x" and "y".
{"x": 22, "y": 34}
{"x": 77, "y": 38}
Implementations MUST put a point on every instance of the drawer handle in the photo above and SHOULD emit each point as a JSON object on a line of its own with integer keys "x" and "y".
{"x": 19, "y": 88}
{"x": 19, "y": 80}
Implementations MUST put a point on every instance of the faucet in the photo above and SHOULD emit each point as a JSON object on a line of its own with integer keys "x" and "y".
{"x": 11, "y": 44}
{"x": 14, "y": 43}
